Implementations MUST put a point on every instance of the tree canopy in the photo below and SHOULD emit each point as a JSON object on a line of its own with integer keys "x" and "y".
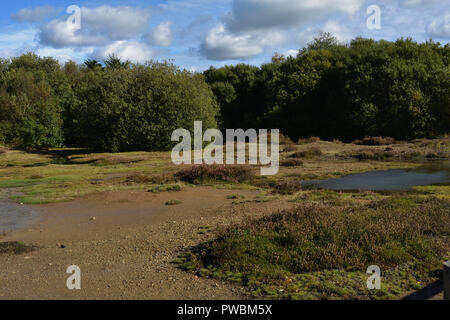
{"x": 331, "y": 90}
{"x": 399, "y": 89}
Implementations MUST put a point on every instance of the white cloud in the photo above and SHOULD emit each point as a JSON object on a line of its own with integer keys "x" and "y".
{"x": 222, "y": 45}
{"x": 418, "y": 3}
{"x": 162, "y": 35}
{"x": 58, "y": 34}
{"x": 255, "y": 14}
{"x": 440, "y": 27}
{"x": 253, "y": 25}
{"x": 11, "y": 53}
{"x": 18, "y": 36}
{"x": 117, "y": 23}
{"x": 126, "y": 50}
{"x": 98, "y": 26}
{"x": 35, "y": 15}
{"x": 340, "y": 32}
{"x": 291, "y": 53}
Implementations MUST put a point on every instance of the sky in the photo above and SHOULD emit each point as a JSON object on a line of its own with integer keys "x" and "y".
{"x": 197, "y": 34}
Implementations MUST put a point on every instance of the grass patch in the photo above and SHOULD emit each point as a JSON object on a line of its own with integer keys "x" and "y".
{"x": 14, "y": 247}
{"x": 166, "y": 188}
{"x": 173, "y": 202}
{"x": 318, "y": 250}
{"x": 235, "y": 197}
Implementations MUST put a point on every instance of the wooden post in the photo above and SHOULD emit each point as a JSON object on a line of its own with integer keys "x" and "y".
{"x": 447, "y": 280}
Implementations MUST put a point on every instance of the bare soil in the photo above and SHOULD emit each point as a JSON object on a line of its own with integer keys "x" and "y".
{"x": 125, "y": 243}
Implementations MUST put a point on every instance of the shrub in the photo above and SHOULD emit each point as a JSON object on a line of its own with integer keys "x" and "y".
{"x": 372, "y": 155}
{"x": 284, "y": 140}
{"x": 289, "y": 148}
{"x": 202, "y": 173}
{"x": 375, "y": 141}
{"x": 292, "y": 163}
{"x": 308, "y": 140}
{"x": 287, "y": 187}
{"x": 309, "y": 153}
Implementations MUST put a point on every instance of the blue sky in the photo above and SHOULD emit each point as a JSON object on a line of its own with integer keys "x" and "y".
{"x": 199, "y": 33}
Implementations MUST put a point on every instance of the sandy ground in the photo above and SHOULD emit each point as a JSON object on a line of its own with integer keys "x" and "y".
{"x": 124, "y": 243}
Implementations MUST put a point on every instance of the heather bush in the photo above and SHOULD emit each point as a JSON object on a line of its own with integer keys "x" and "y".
{"x": 197, "y": 174}
{"x": 319, "y": 237}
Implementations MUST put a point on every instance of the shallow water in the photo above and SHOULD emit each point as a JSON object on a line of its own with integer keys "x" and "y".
{"x": 13, "y": 216}
{"x": 395, "y": 179}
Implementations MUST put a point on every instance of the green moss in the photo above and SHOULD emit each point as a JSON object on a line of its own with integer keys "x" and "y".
{"x": 15, "y": 248}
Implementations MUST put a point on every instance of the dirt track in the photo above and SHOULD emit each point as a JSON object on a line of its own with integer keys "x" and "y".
{"x": 124, "y": 243}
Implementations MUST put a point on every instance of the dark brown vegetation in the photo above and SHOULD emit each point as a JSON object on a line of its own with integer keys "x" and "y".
{"x": 286, "y": 187}
{"x": 292, "y": 163}
{"x": 375, "y": 141}
{"x": 202, "y": 173}
{"x": 309, "y": 153}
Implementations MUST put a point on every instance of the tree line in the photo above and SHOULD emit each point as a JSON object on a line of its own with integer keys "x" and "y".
{"x": 330, "y": 90}
{"x": 116, "y": 107}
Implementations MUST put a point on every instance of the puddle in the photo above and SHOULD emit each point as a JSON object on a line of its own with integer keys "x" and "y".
{"x": 395, "y": 179}
{"x": 13, "y": 216}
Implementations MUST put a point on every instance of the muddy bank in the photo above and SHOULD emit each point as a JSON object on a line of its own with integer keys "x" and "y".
{"x": 124, "y": 243}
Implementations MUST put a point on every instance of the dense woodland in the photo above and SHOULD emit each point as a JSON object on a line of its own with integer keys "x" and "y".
{"x": 330, "y": 90}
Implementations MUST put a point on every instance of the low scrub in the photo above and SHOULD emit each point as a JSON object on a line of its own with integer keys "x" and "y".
{"x": 372, "y": 155}
{"x": 198, "y": 174}
{"x": 308, "y": 153}
{"x": 308, "y": 140}
{"x": 285, "y": 140}
{"x": 287, "y": 187}
{"x": 375, "y": 141}
{"x": 313, "y": 240}
{"x": 292, "y": 163}
{"x": 437, "y": 155}
{"x": 289, "y": 148}
{"x": 140, "y": 178}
